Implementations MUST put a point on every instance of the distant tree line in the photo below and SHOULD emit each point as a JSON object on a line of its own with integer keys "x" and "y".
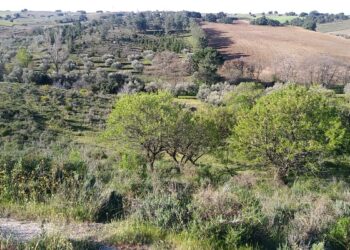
{"x": 310, "y": 21}
{"x": 220, "y": 17}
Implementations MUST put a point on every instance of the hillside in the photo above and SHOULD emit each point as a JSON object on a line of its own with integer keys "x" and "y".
{"x": 272, "y": 47}
{"x": 337, "y": 28}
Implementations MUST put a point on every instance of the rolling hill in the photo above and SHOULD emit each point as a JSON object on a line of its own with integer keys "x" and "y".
{"x": 274, "y": 47}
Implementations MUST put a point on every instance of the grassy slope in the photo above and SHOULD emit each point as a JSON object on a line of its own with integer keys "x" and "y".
{"x": 332, "y": 27}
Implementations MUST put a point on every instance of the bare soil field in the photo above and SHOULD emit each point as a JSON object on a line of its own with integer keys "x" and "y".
{"x": 273, "y": 46}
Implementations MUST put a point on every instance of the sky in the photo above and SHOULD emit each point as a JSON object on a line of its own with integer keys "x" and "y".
{"x": 205, "y": 6}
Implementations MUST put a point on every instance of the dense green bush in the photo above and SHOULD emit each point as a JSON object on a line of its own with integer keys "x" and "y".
{"x": 339, "y": 235}
{"x": 293, "y": 129}
{"x": 265, "y": 21}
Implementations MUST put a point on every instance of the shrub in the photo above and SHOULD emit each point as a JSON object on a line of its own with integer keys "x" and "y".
{"x": 133, "y": 86}
{"x": 117, "y": 65}
{"x": 15, "y": 75}
{"x": 166, "y": 211}
{"x": 293, "y": 129}
{"x": 70, "y": 65}
{"x": 347, "y": 89}
{"x": 211, "y": 204}
{"x": 183, "y": 89}
{"x": 138, "y": 66}
{"x": 109, "y": 62}
{"x": 105, "y": 57}
{"x": 153, "y": 87}
{"x": 214, "y": 94}
{"x": 339, "y": 235}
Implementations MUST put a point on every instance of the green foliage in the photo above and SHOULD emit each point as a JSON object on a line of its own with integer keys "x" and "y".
{"x": 198, "y": 36}
{"x": 134, "y": 232}
{"x": 339, "y": 235}
{"x": 23, "y": 57}
{"x": 205, "y": 63}
{"x": 244, "y": 95}
{"x": 292, "y": 129}
{"x": 156, "y": 124}
{"x": 167, "y": 211}
{"x": 143, "y": 120}
{"x": 265, "y": 21}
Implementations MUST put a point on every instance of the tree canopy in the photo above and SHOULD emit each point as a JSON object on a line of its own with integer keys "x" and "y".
{"x": 292, "y": 129}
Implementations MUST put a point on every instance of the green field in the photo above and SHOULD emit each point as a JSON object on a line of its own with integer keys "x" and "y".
{"x": 6, "y": 23}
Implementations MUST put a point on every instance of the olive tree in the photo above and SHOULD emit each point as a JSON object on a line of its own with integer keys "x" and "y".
{"x": 293, "y": 129}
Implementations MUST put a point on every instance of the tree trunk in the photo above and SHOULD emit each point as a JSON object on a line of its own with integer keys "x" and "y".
{"x": 281, "y": 175}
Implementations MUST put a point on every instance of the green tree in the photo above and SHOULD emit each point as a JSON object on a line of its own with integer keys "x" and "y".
{"x": 292, "y": 129}
{"x": 23, "y": 57}
{"x": 143, "y": 121}
{"x": 205, "y": 63}
{"x": 156, "y": 124}
{"x": 193, "y": 135}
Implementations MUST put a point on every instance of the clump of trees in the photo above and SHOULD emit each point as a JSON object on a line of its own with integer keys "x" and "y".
{"x": 307, "y": 23}
{"x": 265, "y": 21}
{"x": 220, "y": 17}
{"x": 310, "y": 20}
{"x": 155, "y": 124}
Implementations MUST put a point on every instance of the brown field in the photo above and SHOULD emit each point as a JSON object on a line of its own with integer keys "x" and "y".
{"x": 272, "y": 46}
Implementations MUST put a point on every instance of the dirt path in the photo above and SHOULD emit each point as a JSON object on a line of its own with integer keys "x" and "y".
{"x": 27, "y": 230}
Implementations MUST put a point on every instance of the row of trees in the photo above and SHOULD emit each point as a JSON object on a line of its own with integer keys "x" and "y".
{"x": 292, "y": 128}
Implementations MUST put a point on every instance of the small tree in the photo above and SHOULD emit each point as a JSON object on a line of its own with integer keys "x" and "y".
{"x": 205, "y": 62}
{"x": 57, "y": 53}
{"x": 192, "y": 136}
{"x": 292, "y": 129}
{"x": 143, "y": 121}
{"x": 23, "y": 57}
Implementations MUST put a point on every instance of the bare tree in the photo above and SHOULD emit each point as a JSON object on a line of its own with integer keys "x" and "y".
{"x": 57, "y": 53}
{"x": 286, "y": 70}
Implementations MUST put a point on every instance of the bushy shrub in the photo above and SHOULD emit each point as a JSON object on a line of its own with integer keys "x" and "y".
{"x": 290, "y": 123}
{"x": 153, "y": 87}
{"x": 70, "y": 65}
{"x": 339, "y": 235}
{"x": 133, "y": 86}
{"x": 138, "y": 66}
{"x": 220, "y": 204}
{"x": 117, "y": 65}
{"x": 182, "y": 89}
{"x": 239, "y": 225}
{"x": 109, "y": 62}
{"x": 148, "y": 55}
{"x": 38, "y": 77}
{"x": 105, "y": 57}
{"x": 134, "y": 57}
{"x": 15, "y": 75}
{"x": 347, "y": 89}
{"x": 214, "y": 94}
{"x": 164, "y": 210}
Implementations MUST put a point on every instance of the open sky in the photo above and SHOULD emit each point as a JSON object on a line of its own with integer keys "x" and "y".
{"x": 206, "y": 6}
